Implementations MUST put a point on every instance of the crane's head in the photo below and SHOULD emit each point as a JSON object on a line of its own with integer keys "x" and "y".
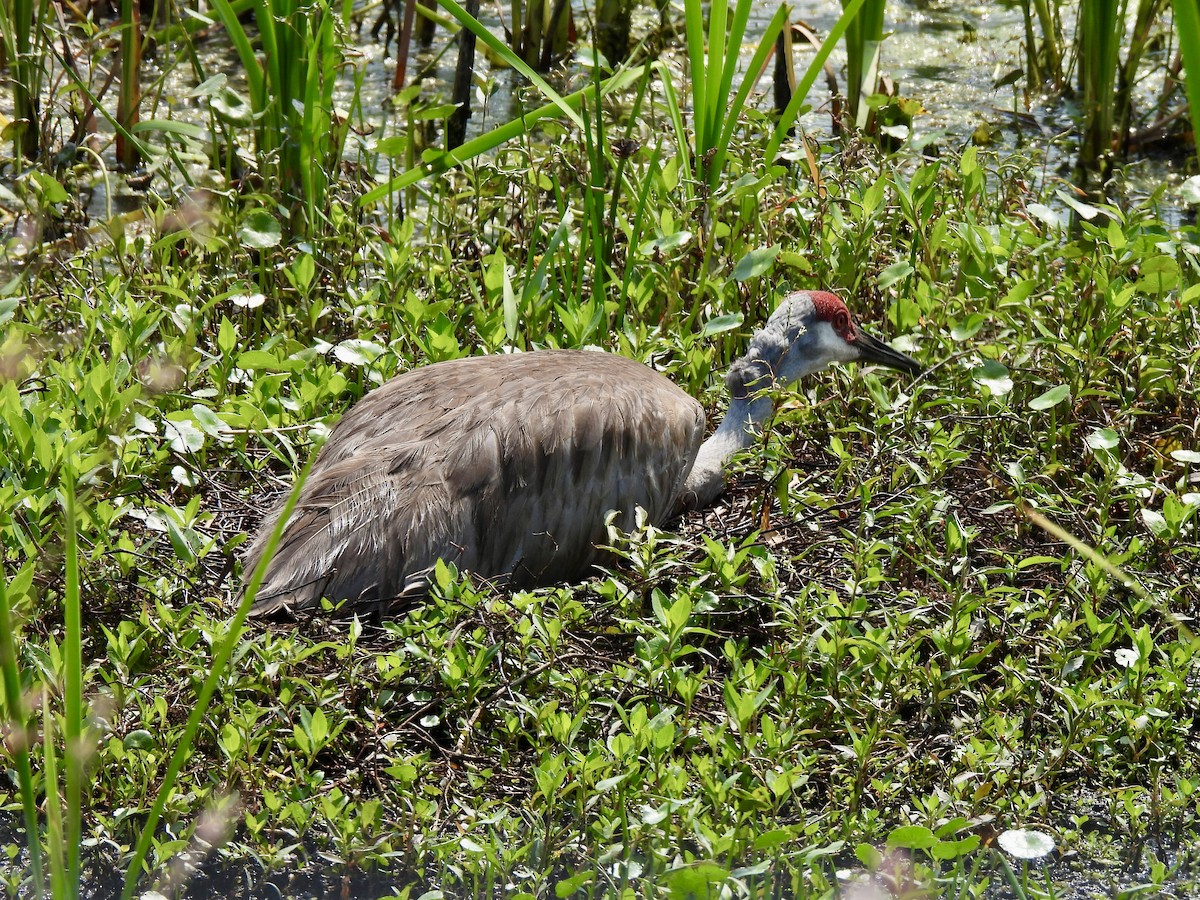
{"x": 809, "y": 331}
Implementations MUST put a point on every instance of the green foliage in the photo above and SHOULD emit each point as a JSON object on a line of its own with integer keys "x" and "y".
{"x": 862, "y": 663}
{"x": 1187, "y": 27}
{"x": 864, "y": 39}
{"x": 298, "y": 136}
{"x": 22, "y": 29}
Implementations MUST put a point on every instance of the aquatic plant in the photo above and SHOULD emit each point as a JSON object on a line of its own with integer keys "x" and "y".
{"x": 864, "y": 41}
{"x": 21, "y": 28}
{"x": 299, "y": 138}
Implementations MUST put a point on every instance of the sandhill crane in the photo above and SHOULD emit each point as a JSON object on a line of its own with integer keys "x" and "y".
{"x": 507, "y": 465}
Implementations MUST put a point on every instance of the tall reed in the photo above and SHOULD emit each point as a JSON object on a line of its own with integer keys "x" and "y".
{"x": 1187, "y": 27}
{"x": 1100, "y": 30}
{"x": 130, "y": 96}
{"x": 21, "y": 29}
{"x": 298, "y": 138}
{"x": 864, "y": 39}
{"x": 1044, "y": 52}
{"x": 713, "y": 60}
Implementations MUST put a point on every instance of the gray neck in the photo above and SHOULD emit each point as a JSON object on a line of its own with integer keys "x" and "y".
{"x": 750, "y": 404}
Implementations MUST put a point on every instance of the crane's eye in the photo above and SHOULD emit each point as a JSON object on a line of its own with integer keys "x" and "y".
{"x": 841, "y": 324}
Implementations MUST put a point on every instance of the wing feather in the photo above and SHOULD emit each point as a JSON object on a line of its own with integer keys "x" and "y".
{"x": 505, "y": 465}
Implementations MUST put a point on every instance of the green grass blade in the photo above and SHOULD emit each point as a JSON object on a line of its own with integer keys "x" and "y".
{"x": 675, "y": 114}
{"x": 1187, "y": 27}
{"x": 72, "y": 658}
{"x": 18, "y": 719}
{"x": 694, "y": 23}
{"x": 765, "y": 46}
{"x": 222, "y": 651}
{"x": 144, "y": 150}
{"x": 241, "y": 43}
{"x": 505, "y": 52}
{"x": 737, "y": 31}
{"x": 54, "y": 823}
{"x": 714, "y": 72}
{"x": 447, "y": 160}
{"x": 810, "y": 76}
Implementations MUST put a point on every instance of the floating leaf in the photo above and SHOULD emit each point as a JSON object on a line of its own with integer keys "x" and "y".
{"x": 1024, "y": 843}
{"x": 1052, "y": 397}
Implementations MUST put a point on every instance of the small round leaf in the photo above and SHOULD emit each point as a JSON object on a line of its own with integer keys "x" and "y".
{"x": 1025, "y": 843}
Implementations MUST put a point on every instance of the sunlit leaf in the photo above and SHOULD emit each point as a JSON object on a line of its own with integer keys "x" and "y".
{"x": 911, "y": 837}
{"x": 1102, "y": 439}
{"x": 1025, "y": 843}
{"x": 1052, "y": 397}
{"x": 755, "y": 263}
{"x": 358, "y": 352}
{"x": 1156, "y": 523}
{"x": 719, "y": 324}
{"x": 893, "y": 273}
{"x": 259, "y": 230}
{"x": 994, "y": 376}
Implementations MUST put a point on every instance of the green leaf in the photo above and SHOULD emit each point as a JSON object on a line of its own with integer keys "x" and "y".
{"x": 772, "y": 839}
{"x": 755, "y": 263}
{"x": 911, "y": 837}
{"x": 1052, "y": 397}
{"x": 893, "y": 273}
{"x": 719, "y": 324}
{"x": 1085, "y": 210}
{"x": 358, "y": 352}
{"x": 868, "y": 856}
{"x": 994, "y": 376}
{"x": 259, "y": 230}
{"x": 569, "y": 886}
{"x": 1102, "y": 439}
{"x": 666, "y": 242}
{"x": 968, "y": 328}
{"x": 139, "y": 740}
{"x": 695, "y": 882}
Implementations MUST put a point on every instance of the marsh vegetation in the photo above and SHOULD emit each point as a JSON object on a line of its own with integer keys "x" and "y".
{"x": 936, "y": 638}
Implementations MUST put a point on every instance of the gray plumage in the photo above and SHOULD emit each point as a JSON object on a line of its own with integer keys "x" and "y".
{"x": 507, "y": 465}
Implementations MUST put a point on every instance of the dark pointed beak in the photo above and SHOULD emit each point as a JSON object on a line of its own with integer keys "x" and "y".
{"x": 873, "y": 350}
